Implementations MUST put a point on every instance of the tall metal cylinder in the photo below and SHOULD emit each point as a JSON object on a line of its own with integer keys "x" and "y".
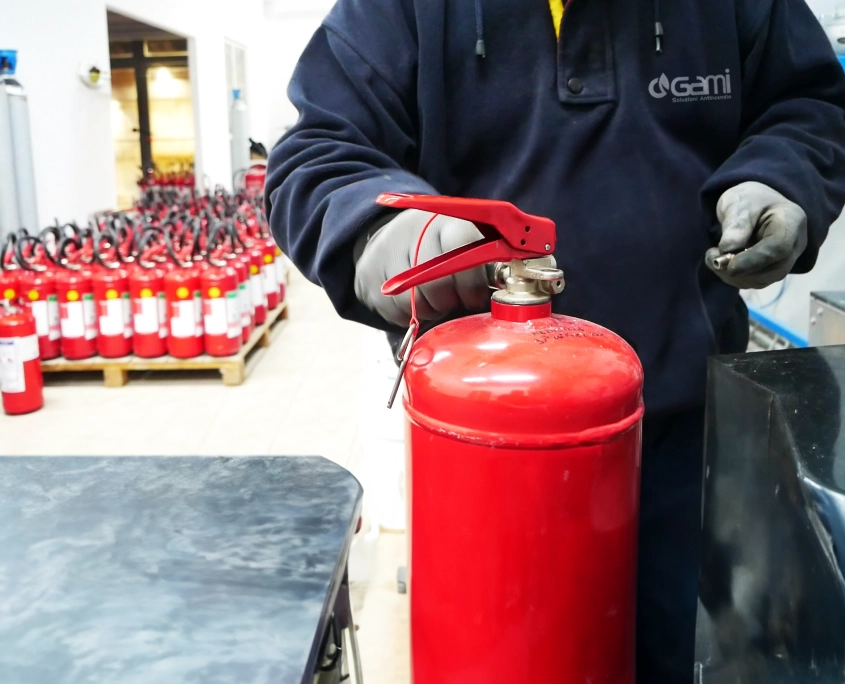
{"x": 18, "y": 206}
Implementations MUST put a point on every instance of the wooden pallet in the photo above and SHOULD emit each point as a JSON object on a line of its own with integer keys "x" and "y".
{"x": 232, "y": 368}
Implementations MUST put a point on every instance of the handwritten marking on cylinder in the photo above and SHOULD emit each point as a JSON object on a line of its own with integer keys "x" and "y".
{"x": 72, "y": 296}
{"x": 183, "y": 292}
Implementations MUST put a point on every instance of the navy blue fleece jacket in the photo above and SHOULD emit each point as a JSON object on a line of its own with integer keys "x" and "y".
{"x": 625, "y": 147}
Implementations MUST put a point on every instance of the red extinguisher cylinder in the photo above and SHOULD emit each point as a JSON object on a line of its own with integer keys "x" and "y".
{"x": 221, "y": 311}
{"x": 78, "y": 314}
{"x": 256, "y": 280}
{"x": 9, "y": 286}
{"x": 270, "y": 274}
{"x": 38, "y": 292}
{"x": 114, "y": 312}
{"x": 149, "y": 313}
{"x": 21, "y": 383}
{"x": 184, "y": 302}
{"x": 241, "y": 265}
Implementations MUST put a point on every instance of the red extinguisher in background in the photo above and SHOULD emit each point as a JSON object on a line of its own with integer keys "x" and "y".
{"x": 270, "y": 278}
{"x": 523, "y": 446}
{"x": 149, "y": 305}
{"x": 184, "y": 308}
{"x": 256, "y": 283}
{"x": 38, "y": 294}
{"x": 110, "y": 284}
{"x": 221, "y": 310}
{"x": 21, "y": 383}
{"x": 77, "y": 312}
{"x": 281, "y": 273}
{"x": 9, "y": 271}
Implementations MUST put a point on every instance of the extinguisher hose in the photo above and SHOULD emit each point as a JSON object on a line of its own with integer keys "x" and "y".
{"x": 21, "y": 259}
{"x": 218, "y": 232}
{"x": 108, "y": 237}
{"x": 61, "y": 253}
{"x": 7, "y": 254}
{"x": 145, "y": 244}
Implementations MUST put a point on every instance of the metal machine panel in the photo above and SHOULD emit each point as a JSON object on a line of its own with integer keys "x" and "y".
{"x": 772, "y": 591}
{"x": 827, "y": 318}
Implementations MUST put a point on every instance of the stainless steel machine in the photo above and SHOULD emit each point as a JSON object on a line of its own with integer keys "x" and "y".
{"x": 18, "y": 207}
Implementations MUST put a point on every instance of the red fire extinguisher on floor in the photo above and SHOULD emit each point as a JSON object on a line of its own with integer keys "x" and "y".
{"x": 77, "y": 312}
{"x": 256, "y": 283}
{"x": 38, "y": 292}
{"x": 524, "y": 442}
{"x": 270, "y": 278}
{"x": 110, "y": 284}
{"x": 184, "y": 310}
{"x": 149, "y": 305}
{"x": 21, "y": 384}
{"x": 281, "y": 274}
{"x": 221, "y": 311}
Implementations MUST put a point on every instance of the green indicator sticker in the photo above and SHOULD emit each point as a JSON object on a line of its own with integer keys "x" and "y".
{"x": 87, "y": 297}
{"x": 52, "y": 298}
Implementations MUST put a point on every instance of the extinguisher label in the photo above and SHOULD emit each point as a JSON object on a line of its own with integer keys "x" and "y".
{"x": 243, "y": 298}
{"x": 198, "y": 313}
{"x": 127, "y": 315}
{"x": 281, "y": 269}
{"x": 183, "y": 322}
{"x": 146, "y": 316}
{"x": 54, "y": 327}
{"x": 14, "y": 352}
{"x": 46, "y": 315}
{"x": 72, "y": 320}
{"x": 111, "y": 317}
{"x": 271, "y": 281}
{"x": 89, "y": 316}
{"x": 215, "y": 316}
{"x": 233, "y": 314}
{"x": 258, "y": 298}
{"x": 162, "y": 315}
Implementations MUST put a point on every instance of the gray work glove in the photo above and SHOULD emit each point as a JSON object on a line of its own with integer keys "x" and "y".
{"x": 389, "y": 251}
{"x": 770, "y": 229}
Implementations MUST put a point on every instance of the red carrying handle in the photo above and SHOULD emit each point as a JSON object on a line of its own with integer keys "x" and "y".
{"x": 508, "y": 234}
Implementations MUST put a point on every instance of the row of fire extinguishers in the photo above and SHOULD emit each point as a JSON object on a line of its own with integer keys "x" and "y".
{"x": 181, "y": 276}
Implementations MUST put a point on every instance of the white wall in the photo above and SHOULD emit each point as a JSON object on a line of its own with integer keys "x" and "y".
{"x": 72, "y": 144}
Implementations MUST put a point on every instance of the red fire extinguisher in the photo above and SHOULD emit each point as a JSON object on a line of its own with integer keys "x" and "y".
{"x": 149, "y": 306}
{"x": 9, "y": 283}
{"x": 524, "y": 442}
{"x": 221, "y": 313}
{"x": 256, "y": 284}
{"x": 270, "y": 278}
{"x": 184, "y": 304}
{"x": 241, "y": 264}
{"x": 77, "y": 312}
{"x": 38, "y": 291}
{"x": 110, "y": 285}
{"x": 21, "y": 384}
{"x": 281, "y": 274}
{"x": 254, "y": 179}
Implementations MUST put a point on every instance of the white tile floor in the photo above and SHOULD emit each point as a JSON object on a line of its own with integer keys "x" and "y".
{"x": 301, "y": 398}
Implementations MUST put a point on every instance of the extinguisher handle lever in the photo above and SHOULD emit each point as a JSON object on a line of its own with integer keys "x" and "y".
{"x": 508, "y": 234}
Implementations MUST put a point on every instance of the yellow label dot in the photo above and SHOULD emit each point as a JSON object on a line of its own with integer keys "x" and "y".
{"x": 72, "y": 296}
{"x": 278, "y": 252}
{"x": 253, "y": 269}
{"x": 8, "y": 293}
{"x": 146, "y": 293}
{"x": 33, "y": 295}
{"x": 111, "y": 294}
{"x": 183, "y": 292}
{"x": 268, "y": 258}
{"x": 213, "y": 292}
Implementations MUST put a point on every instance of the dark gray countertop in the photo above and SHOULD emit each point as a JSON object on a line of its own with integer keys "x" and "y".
{"x": 835, "y": 299}
{"x": 165, "y": 570}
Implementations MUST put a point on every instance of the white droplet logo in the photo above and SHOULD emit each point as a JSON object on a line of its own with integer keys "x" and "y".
{"x": 659, "y": 87}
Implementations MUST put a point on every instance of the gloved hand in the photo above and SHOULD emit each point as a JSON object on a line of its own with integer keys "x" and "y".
{"x": 771, "y": 229}
{"x": 390, "y": 250}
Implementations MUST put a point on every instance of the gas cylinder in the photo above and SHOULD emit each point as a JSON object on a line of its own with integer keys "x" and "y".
{"x": 524, "y": 447}
{"x": 256, "y": 284}
{"x": 270, "y": 278}
{"x": 149, "y": 312}
{"x": 21, "y": 384}
{"x": 221, "y": 311}
{"x": 38, "y": 292}
{"x": 114, "y": 312}
{"x": 241, "y": 264}
{"x": 184, "y": 304}
{"x": 77, "y": 312}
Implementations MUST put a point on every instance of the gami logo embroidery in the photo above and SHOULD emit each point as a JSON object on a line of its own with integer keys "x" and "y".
{"x": 685, "y": 89}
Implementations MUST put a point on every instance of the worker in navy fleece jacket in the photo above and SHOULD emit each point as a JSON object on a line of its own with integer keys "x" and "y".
{"x": 652, "y": 134}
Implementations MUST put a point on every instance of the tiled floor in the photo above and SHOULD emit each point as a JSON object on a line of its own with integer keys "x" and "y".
{"x": 302, "y": 397}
